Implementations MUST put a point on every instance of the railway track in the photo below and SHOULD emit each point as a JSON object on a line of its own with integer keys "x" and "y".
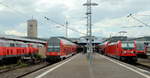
{"x": 18, "y": 72}
{"x": 20, "y": 76}
{"x": 5, "y": 69}
{"x": 143, "y": 64}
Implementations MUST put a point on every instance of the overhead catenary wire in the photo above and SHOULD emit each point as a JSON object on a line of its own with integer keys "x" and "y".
{"x": 140, "y": 21}
{"x": 2, "y": 1}
{"x": 18, "y": 12}
{"x": 63, "y": 25}
{"x": 130, "y": 15}
{"x": 25, "y": 16}
{"x": 132, "y": 26}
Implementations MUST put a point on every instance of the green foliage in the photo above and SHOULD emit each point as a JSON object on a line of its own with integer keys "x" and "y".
{"x": 38, "y": 56}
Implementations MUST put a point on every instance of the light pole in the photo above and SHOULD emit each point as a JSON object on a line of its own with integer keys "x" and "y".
{"x": 66, "y": 29}
{"x": 89, "y": 28}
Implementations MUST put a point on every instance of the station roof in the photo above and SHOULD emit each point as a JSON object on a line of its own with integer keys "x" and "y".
{"x": 24, "y": 39}
{"x": 145, "y": 38}
{"x": 95, "y": 39}
{"x": 117, "y": 38}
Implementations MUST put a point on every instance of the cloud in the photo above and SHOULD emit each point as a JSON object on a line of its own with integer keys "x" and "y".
{"x": 114, "y": 25}
{"x": 108, "y": 17}
{"x": 14, "y": 32}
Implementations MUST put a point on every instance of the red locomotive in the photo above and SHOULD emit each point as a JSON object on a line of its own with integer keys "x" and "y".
{"x": 59, "y": 48}
{"x": 122, "y": 50}
{"x": 15, "y": 49}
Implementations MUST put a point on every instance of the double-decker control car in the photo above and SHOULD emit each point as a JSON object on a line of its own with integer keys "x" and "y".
{"x": 59, "y": 48}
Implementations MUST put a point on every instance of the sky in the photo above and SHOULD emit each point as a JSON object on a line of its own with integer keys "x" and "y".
{"x": 108, "y": 18}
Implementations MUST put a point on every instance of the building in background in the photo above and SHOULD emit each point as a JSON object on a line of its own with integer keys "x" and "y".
{"x": 32, "y": 28}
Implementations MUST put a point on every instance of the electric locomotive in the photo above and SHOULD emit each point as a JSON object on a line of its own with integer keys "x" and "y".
{"x": 122, "y": 50}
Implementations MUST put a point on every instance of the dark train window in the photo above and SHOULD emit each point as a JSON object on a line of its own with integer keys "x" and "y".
{"x": 50, "y": 49}
{"x": 53, "y": 49}
{"x": 54, "y": 45}
{"x": 1, "y": 44}
{"x": 56, "y": 49}
{"x": 12, "y": 45}
{"x": 18, "y": 45}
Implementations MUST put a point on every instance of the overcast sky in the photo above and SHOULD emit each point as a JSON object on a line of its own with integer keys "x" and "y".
{"x": 109, "y": 17}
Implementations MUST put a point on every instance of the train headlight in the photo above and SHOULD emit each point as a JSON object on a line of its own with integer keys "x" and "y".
{"x": 124, "y": 51}
{"x": 58, "y": 53}
{"x": 132, "y": 52}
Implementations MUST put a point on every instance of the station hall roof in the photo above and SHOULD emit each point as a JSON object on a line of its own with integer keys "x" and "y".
{"x": 24, "y": 39}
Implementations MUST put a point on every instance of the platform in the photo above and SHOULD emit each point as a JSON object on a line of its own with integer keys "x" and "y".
{"x": 79, "y": 67}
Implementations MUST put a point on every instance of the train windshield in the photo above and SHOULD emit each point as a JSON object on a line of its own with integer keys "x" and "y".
{"x": 54, "y": 45}
{"x": 127, "y": 45}
{"x": 140, "y": 46}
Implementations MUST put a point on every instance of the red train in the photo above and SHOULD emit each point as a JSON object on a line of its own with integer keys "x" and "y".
{"x": 147, "y": 48}
{"x": 16, "y": 49}
{"x": 122, "y": 50}
{"x": 101, "y": 47}
{"x": 59, "y": 48}
{"x": 141, "y": 49}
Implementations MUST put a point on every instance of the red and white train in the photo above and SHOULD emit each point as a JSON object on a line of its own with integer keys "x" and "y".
{"x": 122, "y": 50}
{"x": 141, "y": 49}
{"x": 101, "y": 47}
{"x": 16, "y": 49}
{"x": 59, "y": 48}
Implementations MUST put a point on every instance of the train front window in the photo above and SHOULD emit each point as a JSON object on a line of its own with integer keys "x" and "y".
{"x": 140, "y": 46}
{"x": 54, "y": 45}
{"x": 50, "y": 49}
{"x": 128, "y": 45}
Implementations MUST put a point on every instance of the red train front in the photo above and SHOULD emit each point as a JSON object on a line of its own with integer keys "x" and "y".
{"x": 141, "y": 49}
{"x": 59, "y": 48}
{"x": 123, "y": 50}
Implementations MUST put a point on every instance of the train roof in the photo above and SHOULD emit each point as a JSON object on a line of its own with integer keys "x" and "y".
{"x": 66, "y": 40}
{"x": 17, "y": 38}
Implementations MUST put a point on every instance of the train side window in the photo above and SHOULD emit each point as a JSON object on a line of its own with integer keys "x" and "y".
{"x": 12, "y": 45}
{"x": 0, "y": 44}
{"x": 6, "y": 44}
